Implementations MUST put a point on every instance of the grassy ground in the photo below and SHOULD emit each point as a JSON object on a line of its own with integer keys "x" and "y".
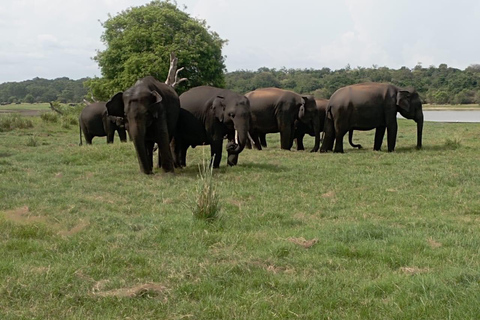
{"x": 360, "y": 235}
{"x": 24, "y": 107}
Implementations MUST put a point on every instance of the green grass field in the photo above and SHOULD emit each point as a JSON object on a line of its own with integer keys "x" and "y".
{"x": 359, "y": 235}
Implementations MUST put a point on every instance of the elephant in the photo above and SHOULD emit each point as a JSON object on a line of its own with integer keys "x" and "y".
{"x": 301, "y": 128}
{"x": 207, "y": 116}
{"x": 367, "y": 106}
{"x": 95, "y": 122}
{"x": 276, "y": 110}
{"x": 152, "y": 109}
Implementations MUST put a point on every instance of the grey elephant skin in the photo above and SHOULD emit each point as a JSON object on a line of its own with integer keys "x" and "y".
{"x": 301, "y": 128}
{"x": 276, "y": 110}
{"x": 95, "y": 122}
{"x": 152, "y": 109}
{"x": 207, "y": 116}
{"x": 368, "y": 106}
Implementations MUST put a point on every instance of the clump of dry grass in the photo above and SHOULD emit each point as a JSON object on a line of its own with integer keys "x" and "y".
{"x": 206, "y": 206}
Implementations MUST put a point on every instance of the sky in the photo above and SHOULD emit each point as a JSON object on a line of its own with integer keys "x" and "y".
{"x": 58, "y": 38}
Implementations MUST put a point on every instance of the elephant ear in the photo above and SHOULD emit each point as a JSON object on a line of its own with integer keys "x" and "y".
{"x": 155, "y": 107}
{"x": 301, "y": 110}
{"x": 403, "y": 100}
{"x": 218, "y": 108}
{"x": 115, "y": 106}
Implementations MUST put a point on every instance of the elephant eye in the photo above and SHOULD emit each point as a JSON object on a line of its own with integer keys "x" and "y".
{"x": 231, "y": 115}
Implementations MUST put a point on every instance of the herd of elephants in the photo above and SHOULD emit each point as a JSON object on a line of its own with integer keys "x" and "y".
{"x": 152, "y": 112}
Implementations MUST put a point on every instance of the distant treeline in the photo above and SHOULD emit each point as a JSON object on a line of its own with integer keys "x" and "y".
{"x": 43, "y": 90}
{"x": 436, "y": 85}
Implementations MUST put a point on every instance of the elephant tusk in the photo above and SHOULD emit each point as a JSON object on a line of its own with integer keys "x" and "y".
{"x": 236, "y": 137}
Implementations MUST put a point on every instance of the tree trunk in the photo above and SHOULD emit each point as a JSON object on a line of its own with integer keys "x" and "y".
{"x": 172, "y": 78}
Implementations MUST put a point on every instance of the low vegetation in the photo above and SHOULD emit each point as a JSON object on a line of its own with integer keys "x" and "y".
{"x": 371, "y": 235}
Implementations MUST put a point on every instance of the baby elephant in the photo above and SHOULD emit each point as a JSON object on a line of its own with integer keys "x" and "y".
{"x": 95, "y": 122}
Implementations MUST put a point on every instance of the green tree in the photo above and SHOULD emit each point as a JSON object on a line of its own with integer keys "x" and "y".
{"x": 139, "y": 41}
{"x": 29, "y": 98}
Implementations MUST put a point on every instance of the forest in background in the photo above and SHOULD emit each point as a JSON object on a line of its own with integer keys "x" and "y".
{"x": 436, "y": 85}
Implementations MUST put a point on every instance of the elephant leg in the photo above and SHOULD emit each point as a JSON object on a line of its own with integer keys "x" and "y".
{"x": 263, "y": 139}
{"x": 379, "y": 134}
{"x": 183, "y": 156}
{"x": 122, "y": 134}
{"x": 286, "y": 136}
{"x": 179, "y": 151}
{"x": 339, "y": 134}
{"x": 149, "y": 151}
{"x": 329, "y": 136}
{"x": 299, "y": 141}
{"x": 350, "y": 140}
{"x": 88, "y": 138}
{"x": 110, "y": 137}
{"x": 216, "y": 153}
{"x": 392, "y": 136}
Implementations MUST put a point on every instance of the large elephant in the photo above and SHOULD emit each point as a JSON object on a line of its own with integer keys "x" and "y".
{"x": 95, "y": 122}
{"x": 368, "y": 106}
{"x": 152, "y": 109}
{"x": 275, "y": 110}
{"x": 207, "y": 115}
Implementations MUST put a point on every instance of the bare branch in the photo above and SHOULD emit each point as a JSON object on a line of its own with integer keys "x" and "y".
{"x": 173, "y": 67}
{"x": 55, "y": 109}
{"x": 172, "y": 78}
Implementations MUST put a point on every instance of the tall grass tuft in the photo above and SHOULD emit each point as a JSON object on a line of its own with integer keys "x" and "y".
{"x": 14, "y": 121}
{"x": 69, "y": 120}
{"x": 32, "y": 141}
{"x": 49, "y": 116}
{"x": 452, "y": 144}
{"x": 206, "y": 206}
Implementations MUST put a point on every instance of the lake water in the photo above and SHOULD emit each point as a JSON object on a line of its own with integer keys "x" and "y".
{"x": 451, "y": 116}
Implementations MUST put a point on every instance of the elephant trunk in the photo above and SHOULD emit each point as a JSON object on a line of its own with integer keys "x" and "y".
{"x": 419, "y": 121}
{"x": 137, "y": 134}
{"x": 241, "y": 137}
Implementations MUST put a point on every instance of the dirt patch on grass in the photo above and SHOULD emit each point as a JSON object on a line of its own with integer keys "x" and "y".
{"x": 22, "y": 215}
{"x": 79, "y": 227}
{"x": 302, "y": 242}
{"x": 148, "y": 290}
{"x": 413, "y": 270}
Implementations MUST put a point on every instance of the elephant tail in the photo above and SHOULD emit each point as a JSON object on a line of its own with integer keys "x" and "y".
{"x": 350, "y": 140}
{"x": 80, "y": 130}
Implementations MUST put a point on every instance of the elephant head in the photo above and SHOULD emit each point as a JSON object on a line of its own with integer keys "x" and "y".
{"x": 409, "y": 105}
{"x": 234, "y": 112}
{"x": 310, "y": 116}
{"x": 143, "y": 108}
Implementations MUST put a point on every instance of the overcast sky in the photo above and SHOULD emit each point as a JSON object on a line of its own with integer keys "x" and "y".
{"x": 58, "y": 38}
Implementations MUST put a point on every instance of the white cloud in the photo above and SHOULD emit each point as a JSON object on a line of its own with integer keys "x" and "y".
{"x": 54, "y": 38}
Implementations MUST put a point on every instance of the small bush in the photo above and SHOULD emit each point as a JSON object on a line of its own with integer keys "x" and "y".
{"x": 49, "y": 116}
{"x": 452, "y": 144}
{"x": 32, "y": 141}
{"x": 206, "y": 206}
{"x": 69, "y": 120}
{"x": 14, "y": 121}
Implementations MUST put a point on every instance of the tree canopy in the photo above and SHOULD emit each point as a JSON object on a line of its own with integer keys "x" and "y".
{"x": 139, "y": 41}
{"x": 43, "y": 90}
{"x": 438, "y": 85}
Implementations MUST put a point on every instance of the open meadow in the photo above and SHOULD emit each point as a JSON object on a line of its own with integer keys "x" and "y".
{"x": 300, "y": 235}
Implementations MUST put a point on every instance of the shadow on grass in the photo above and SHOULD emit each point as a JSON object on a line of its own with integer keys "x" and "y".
{"x": 193, "y": 170}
